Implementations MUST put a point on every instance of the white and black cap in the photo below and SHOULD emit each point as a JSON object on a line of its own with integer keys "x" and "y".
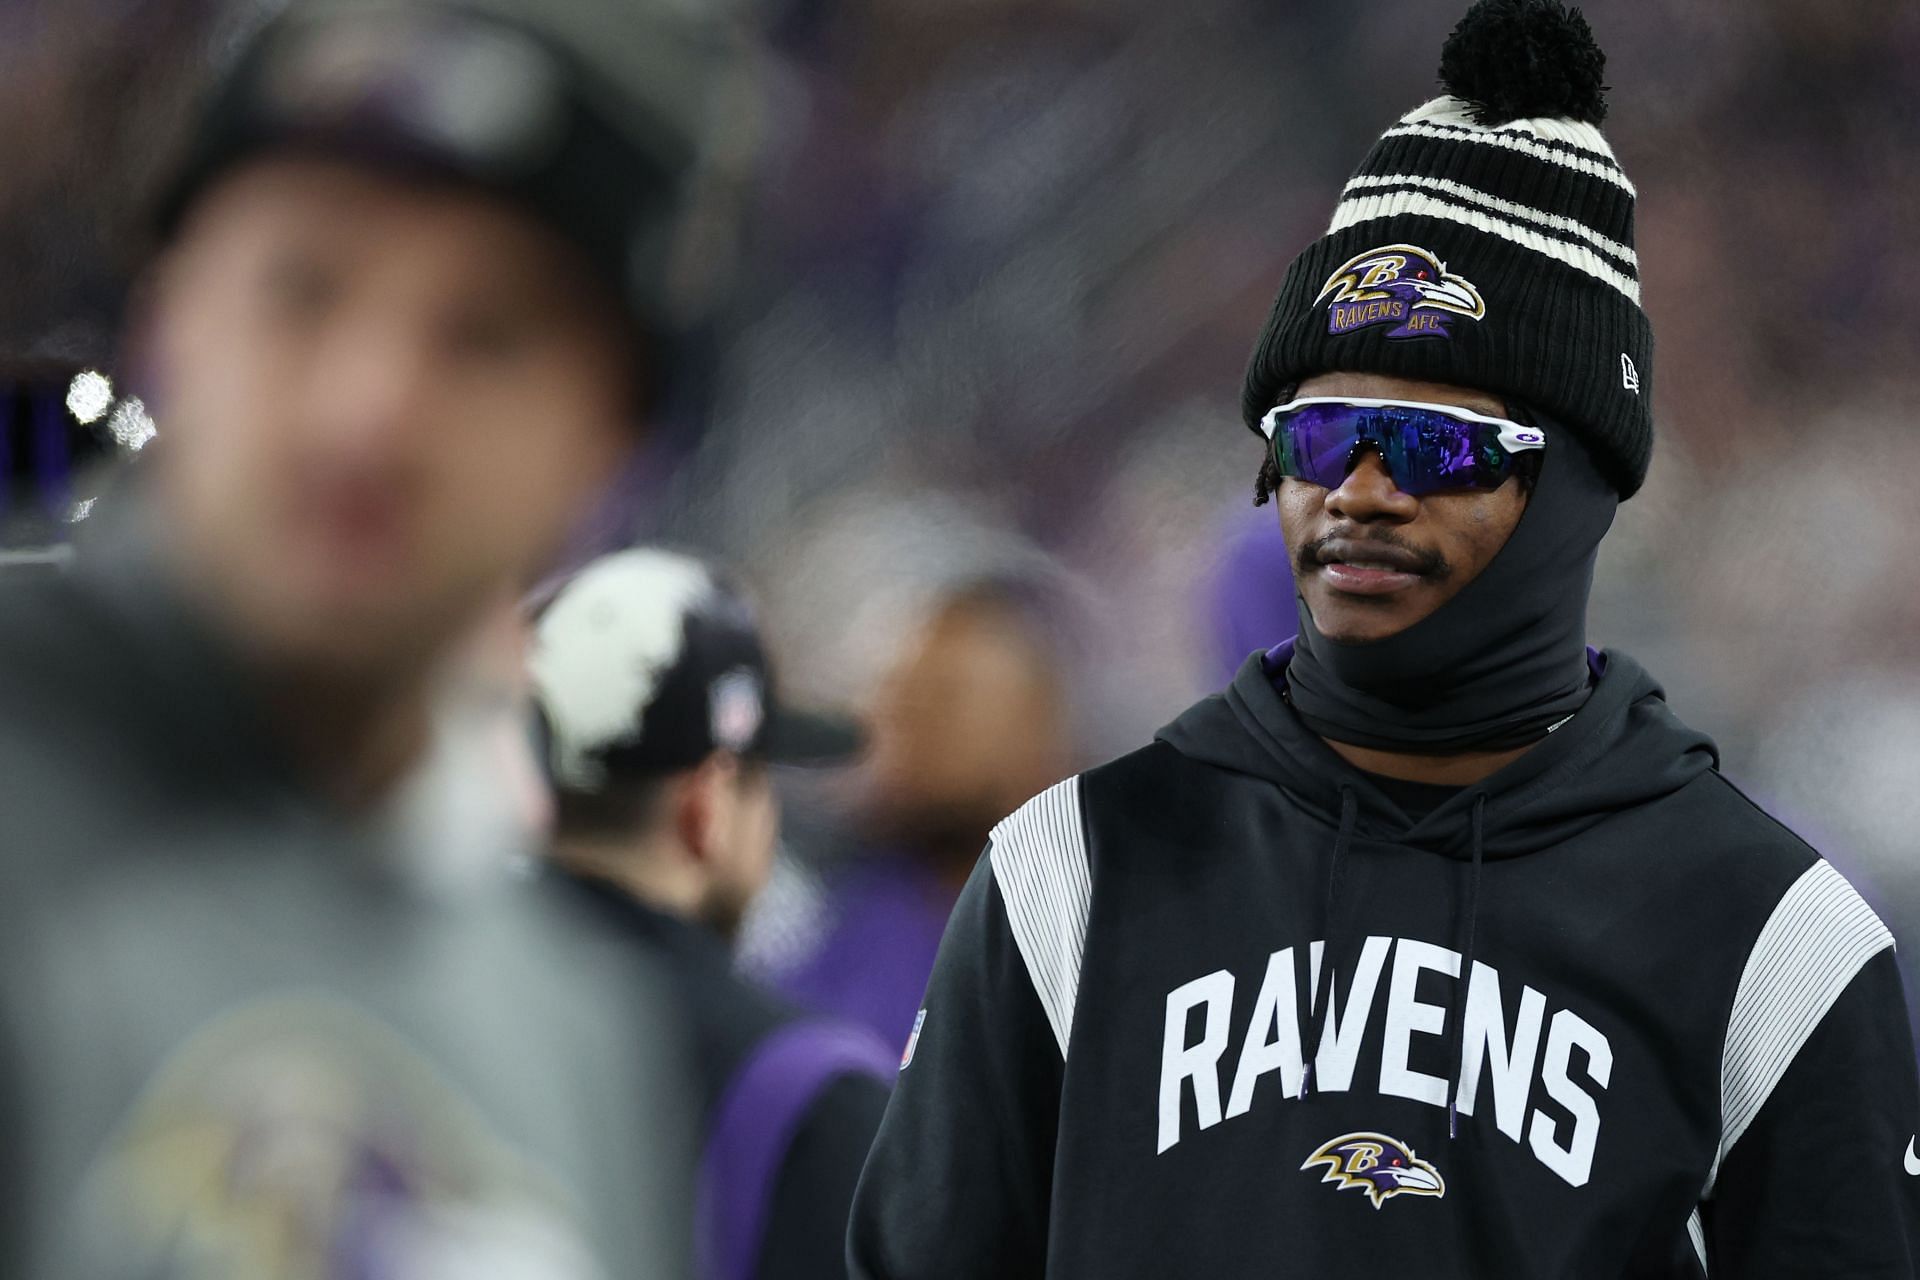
{"x": 647, "y": 661}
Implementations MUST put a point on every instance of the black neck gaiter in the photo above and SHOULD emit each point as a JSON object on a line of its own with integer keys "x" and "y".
{"x": 1496, "y": 666}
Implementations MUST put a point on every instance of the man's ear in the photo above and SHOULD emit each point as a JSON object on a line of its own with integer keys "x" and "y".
{"x": 703, "y": 802}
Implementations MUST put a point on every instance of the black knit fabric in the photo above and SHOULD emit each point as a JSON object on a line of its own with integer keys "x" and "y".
{"x": 1530, "y": 219}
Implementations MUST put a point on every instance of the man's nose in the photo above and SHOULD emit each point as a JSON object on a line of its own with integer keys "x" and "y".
{"x": 368, "y": 388}
{"x": 1369, "y": 493}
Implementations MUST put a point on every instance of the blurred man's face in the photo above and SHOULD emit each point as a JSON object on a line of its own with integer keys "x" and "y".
{"x": 968, "y": 726}
{"x": 381, "y": 403}
{"x": 1369, "y": 560}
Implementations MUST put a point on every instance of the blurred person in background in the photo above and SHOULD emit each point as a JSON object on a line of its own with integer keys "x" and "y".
{"x": 1251, "y": 595}
{"x": 661, "y": 718}
{"x": 412, "y": 309}
{"x": 970, "y": 719}
{"x": 1437, "y": 941}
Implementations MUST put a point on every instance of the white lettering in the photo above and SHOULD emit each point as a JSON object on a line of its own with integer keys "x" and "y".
{"x": 1273, "y": 1038}
{"x": 1565, "y": 1076}
{"x": 1199, "y": 1062}
{"x": 1484, "y": 1042}
{"x": 1574, "y": 1162}
{"x": 1340, "y": 1043}
{"x": 1406, "y": 1017}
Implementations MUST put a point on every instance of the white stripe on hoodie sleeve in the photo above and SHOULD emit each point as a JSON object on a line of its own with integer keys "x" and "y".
{"x": 1039, "y": 857}
{"x": 1819, "y": 936}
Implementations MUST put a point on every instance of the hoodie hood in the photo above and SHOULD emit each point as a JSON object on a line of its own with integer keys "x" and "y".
{"x": 1623, "y": 748}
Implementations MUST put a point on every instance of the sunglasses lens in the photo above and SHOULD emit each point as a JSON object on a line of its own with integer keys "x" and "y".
{"x": 1426, "y": 450}
{"x": 1315, "y": 443}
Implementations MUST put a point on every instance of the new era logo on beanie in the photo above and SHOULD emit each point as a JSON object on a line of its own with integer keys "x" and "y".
{"x": 1487, "y": 241}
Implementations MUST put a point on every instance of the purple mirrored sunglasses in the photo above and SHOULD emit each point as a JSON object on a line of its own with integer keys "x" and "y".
{"x": 1427, "y": 448}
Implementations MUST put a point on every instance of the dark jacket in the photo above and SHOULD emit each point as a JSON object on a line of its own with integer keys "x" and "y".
{"x": 241, "y": 1034}
{"x": 788, "y": 1104}
{"x": 1682, "y": 1048}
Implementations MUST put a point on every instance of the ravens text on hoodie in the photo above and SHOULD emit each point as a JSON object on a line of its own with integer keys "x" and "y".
{"x": 1220, "y": 1008}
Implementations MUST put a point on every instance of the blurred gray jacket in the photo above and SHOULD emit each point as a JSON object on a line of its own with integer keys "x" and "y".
{"x": 242, "y": 1036}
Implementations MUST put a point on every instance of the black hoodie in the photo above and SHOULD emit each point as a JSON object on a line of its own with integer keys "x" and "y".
{"x": 1682, "y": 1050}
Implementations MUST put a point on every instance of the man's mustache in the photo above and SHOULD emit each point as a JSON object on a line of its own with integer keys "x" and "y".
{"x": 1354, "y": 542}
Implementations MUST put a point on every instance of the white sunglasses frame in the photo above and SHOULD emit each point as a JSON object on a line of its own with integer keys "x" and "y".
{"x": 1515, "y": 437}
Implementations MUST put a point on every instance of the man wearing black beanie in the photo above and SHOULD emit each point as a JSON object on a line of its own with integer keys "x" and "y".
{"x": 1435, "y": 945}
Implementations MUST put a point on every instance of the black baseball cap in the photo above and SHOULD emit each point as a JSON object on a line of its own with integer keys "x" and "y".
{"x": 646, "y": 662}
{"x": 598, "y": 117}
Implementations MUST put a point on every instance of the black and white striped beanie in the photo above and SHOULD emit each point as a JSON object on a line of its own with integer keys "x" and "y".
{"x": 1486, "y": 241}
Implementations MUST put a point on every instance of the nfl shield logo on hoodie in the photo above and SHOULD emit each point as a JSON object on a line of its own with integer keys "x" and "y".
{"x": 919, "y": 1020}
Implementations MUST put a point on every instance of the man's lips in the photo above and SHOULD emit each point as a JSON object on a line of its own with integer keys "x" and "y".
{"x": 1369, "y": 568}
{"x": 355, "y": 528}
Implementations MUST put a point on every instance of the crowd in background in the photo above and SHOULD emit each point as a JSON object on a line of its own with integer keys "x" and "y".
{"x": 1004, "y": 262}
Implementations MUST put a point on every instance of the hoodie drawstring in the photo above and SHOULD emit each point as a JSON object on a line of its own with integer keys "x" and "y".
{"x": 1456, "y": 1015}
{"x": 1323, "y": 983}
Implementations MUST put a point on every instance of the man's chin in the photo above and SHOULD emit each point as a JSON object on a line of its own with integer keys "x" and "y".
{"x": 350, "y": 633}
{"x": 1364, "y": 620}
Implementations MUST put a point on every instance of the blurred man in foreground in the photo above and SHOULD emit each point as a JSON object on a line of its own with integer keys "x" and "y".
{"x": 409, "y": 313}
{"x": 660, "y": 720}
